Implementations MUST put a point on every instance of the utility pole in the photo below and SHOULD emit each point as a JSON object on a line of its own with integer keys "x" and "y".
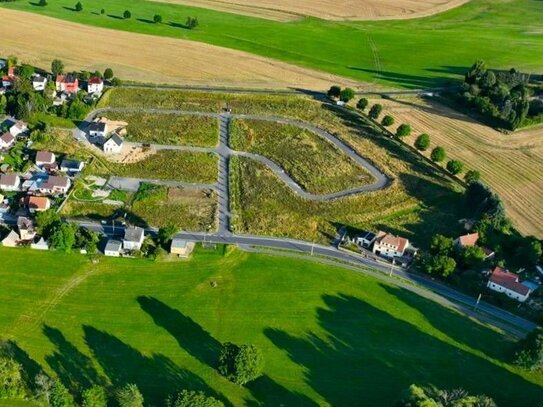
{"x": 391, "y": 269}
{"x": 312, "y": 247}
{"x": 477, "y": 303}
{"x": 113, "y": 224}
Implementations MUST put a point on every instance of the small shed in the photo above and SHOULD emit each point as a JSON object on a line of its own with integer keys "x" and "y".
{"x": 181, "y": 247}
{"x": 113, "y": 248}
{"x": 41, "y": 244}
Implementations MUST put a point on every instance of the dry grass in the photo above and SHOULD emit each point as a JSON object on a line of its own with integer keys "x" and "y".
{"x": 285, "y": 10}
{"x": 512, "y": 164}
{"x": 134, "y": 56}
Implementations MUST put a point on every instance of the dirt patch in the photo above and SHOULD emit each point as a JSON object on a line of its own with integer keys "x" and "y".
{"x": 131, "y": 154}
{"x": 511, "y": 164}
{"x": 114, "y": 126}
{"x": 148, "y": 58}
{"x": 288, "y": 10}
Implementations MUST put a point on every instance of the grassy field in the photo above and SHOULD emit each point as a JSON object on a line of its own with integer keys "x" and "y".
{"x": 504, "y": 33}
{"x": 187, "y": 209}
{"x": 330, "y": 337}
{"x": 172, "y": 129}
{"x": 511, "y": 164}
{"x": 314, "y": 163}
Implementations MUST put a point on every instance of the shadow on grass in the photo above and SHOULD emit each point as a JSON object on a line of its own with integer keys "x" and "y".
{"x": 156, "y": 375}
{"x": 268, "y": 392}
{"x": 115, "y": 17}
{"x": 368, "y": 357}
{"x": 74, "y": 369}
{"x": 177, "y": 25}
{"x": 69, "y": 8}
{"x": 189, "y": 334}
{"x": 145, "y": 20}
{"x": 407, "y": 81}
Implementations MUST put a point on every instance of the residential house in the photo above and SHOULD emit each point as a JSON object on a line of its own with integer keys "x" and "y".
{"x": 27, "y": 231}
{"x": 97, "y": 132}
{"x": 71, "y": 166}
{"x": 11, "y": 240}
{"x": 504, "y": 281}
{"x": 181, "y": 247}
{"x": 45, "y": 158}
{"x": 60, "y": 99}
{"x": 7, "y": 82}
{"x": 10, "y": 182}
{"x": 39, "y": 82}
{"x": 18, "y": 128}
{"x": 365, "y": 239}
{"x": 95, "y": 85}
{"x": 114, "y": 145}
{"x": 36, "y": 203}
{"x": 133, "y": 238}
{"x": 39, "y": 244}
{"x": 468, "y": 240}
{"x": 6, "y": 140}
{"x": 391, "y": 246}
{"x": 55, "y": 185}
{"x": 67, "y": 84}
{"x": 113, "y": 248}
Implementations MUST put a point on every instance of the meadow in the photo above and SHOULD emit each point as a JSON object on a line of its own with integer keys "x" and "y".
{"x": 504, "y": 33}
{"x": 156, "y": 128}
{"x": 330, "y": 337}
{"x": 314, "y": 163}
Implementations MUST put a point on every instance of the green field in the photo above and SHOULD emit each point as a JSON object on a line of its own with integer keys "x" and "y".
{"x": 172, "y": 129}
{"x": 407, "y": 53}
{"x": 314, "y": 163}
{"x": 330, "y": 337}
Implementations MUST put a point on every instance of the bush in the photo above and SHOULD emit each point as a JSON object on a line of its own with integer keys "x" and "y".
{"x": 422, "y": 142}
{"x": 240, "y": 364}
{"x": 455, "y": 167}
{"x": 57, "y": 67}
{"x": 116, "y": 82}
{"x": 472, "y": 176}
{"x": 442, "y": 266}
{"x": 129, "y": 396}
{"x": 103, "y": 11}
{"x": 42, "y": 3}
{"x": 127, "y": 14}
{"x": 403, "y": 130}
{"x": 375, "y": 111}
{"x": 79, "y": 6}
{"x": 530, "y": 353}
{"x": 387, "y": 121}
{"x": 188, "y": 398}
{"x": 60, "y": 396}
{"x": 438, "y": 154}
{"x": 108, "y": 74}
{"x": 12, "y": 383}
{"x": 96, "y": 396}
{"x": 334, "y": 92}
{"x": 192, "y": 22}
{"x": 362, "y": 104}
{"x": 346, "y": 95}
{"x": 157, "y": 18}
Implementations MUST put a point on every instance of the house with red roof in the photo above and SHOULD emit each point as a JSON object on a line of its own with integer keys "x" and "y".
{"x": 6, "y": 140}
{"x": 67, "y": 84}
{"x": 468, "y": 240}
{"x": 391, "y": 246}
{"x": 36, "y": 203}
{"x": 95, "y": 85}
{"x": 504, "y": 281}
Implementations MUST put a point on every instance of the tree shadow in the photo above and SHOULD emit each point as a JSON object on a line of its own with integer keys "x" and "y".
{"x": 74, "y": 369}
{"x": 69, "y": 8}
{"x": 368, "y": 357}
{"x": 177, "y": 25}
{"x": 145, "y": 20}
{"x": 115, "y": 17}
{"x": 268, "y": 392}
{"x": 188, "y": 333}
{"x": 156, "y": 375}
{"x": 30, "y": 366}
{"x": 410, "y": 81}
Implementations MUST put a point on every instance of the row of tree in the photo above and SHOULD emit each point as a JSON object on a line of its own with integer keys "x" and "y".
{"x": 431, "y": 396}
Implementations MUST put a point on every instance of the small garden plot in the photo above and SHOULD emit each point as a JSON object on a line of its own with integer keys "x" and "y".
{"x": 314, "y": 163}
{"x": 173, "y": 129}
{"x": 182, "y": 166}
{"x": 184, "y": 208}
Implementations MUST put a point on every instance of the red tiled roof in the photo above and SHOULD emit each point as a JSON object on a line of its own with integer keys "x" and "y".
{"x": 8, "y": 179}
{"x": 468, "y": 240}
{"x": 7, "y": 137}
{"x": 37, "y": 202}
{"x": 95, "y": 80}
{"x": 395, "y": 241}
{"x": 508, "y": 280}
{"x": 44, "y": 156}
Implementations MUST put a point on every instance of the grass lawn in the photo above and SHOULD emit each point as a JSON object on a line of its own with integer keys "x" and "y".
{"x": 169, "y": 128}
{"x": 187, "y": 209}
{"x": 416, "y": 53}
{"x": 314, "y": 163}
{"x": 330, "y": 337}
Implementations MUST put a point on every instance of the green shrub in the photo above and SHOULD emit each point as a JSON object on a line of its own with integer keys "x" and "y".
{"x": 422, "y": 142}
{"x": 438, "y": 154}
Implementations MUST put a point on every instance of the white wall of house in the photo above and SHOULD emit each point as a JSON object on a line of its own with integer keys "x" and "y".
{"x": 386, "y": 251}
{"x": 39, "y": 85}
{"x": 95, "y": 87}
{"x": 511, "y": 294}
{"x": 112, "y": 253}
{"x": 112, "y": 147}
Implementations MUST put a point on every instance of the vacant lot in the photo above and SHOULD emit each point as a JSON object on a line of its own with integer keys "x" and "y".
{"x": 314, "y": 163}
{"x": 416, "y": 53}
{"x": 330, "y": 337}
{"x": 146, "y": 58}
{"x": 285, "y": 10}
{"x": 172, "y": 129}
{"x": 187, "y": 209}
{"x": 511, "y": 164}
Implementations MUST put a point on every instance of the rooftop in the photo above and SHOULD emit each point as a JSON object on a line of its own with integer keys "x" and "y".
{"x": 7, "y": 137}
{"x": 45, "y": 156}
{"x": 468, "y": 240}
{"x": 97, "y": 126}
{"x": 508, "y": 280}
{"x": 113, "y": 246}
{"x": 391, "y": 240}
{"x": 9, "y": 179}
{"x": 133, "y": 234}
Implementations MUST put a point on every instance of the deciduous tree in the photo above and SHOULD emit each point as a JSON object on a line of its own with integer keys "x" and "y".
{"x": 57, "y": 67}
{"x": 403, "y": 130}
{"x": 375, "y": 111}
{"x": 422, "y": 142}
{"x": 455, "y": 167}
{"x": 438, "y": 154}
{"x": 388, "y": 120}
{"x": 362, "y": 104}
{"x": 240, "y": 364}
{"x": 129, "y": 396}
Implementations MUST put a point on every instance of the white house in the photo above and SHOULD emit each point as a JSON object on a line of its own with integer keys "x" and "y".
{"x": 97, "y": 132}
{"x": 39, "y": 82}
{"x": 10, "y": 182}
{"x": 6, "y": 140}
{"x": 11, "y": 240}
{"x": 114, "y": 145}
{"x": 133, "y": 238}
{"x": 45, "y": 158}
{"x": 71, "y": 166}
{"x": 365, "y": 239}
{"x": 113, "y": 248}
{"x": 95, "y": 85}
{"x": 388, "y": 245}
{"x": 18, "y": 128}
{"x": 41, "y": 244}
{"x": 55, "y": 185}
{"x": 508, "y": 283}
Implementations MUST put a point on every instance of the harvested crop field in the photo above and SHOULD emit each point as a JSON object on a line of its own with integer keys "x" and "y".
{"x": 134, "y": 56}
{"x": 285, "y": 10}
{"x": 511, "y": 164}
{"x": 314, "y": 163}
{"x": 157, "y": 128}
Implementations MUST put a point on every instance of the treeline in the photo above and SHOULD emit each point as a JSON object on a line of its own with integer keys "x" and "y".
{"x": 503, "y": 98}
{"x": 431, "y": 396}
